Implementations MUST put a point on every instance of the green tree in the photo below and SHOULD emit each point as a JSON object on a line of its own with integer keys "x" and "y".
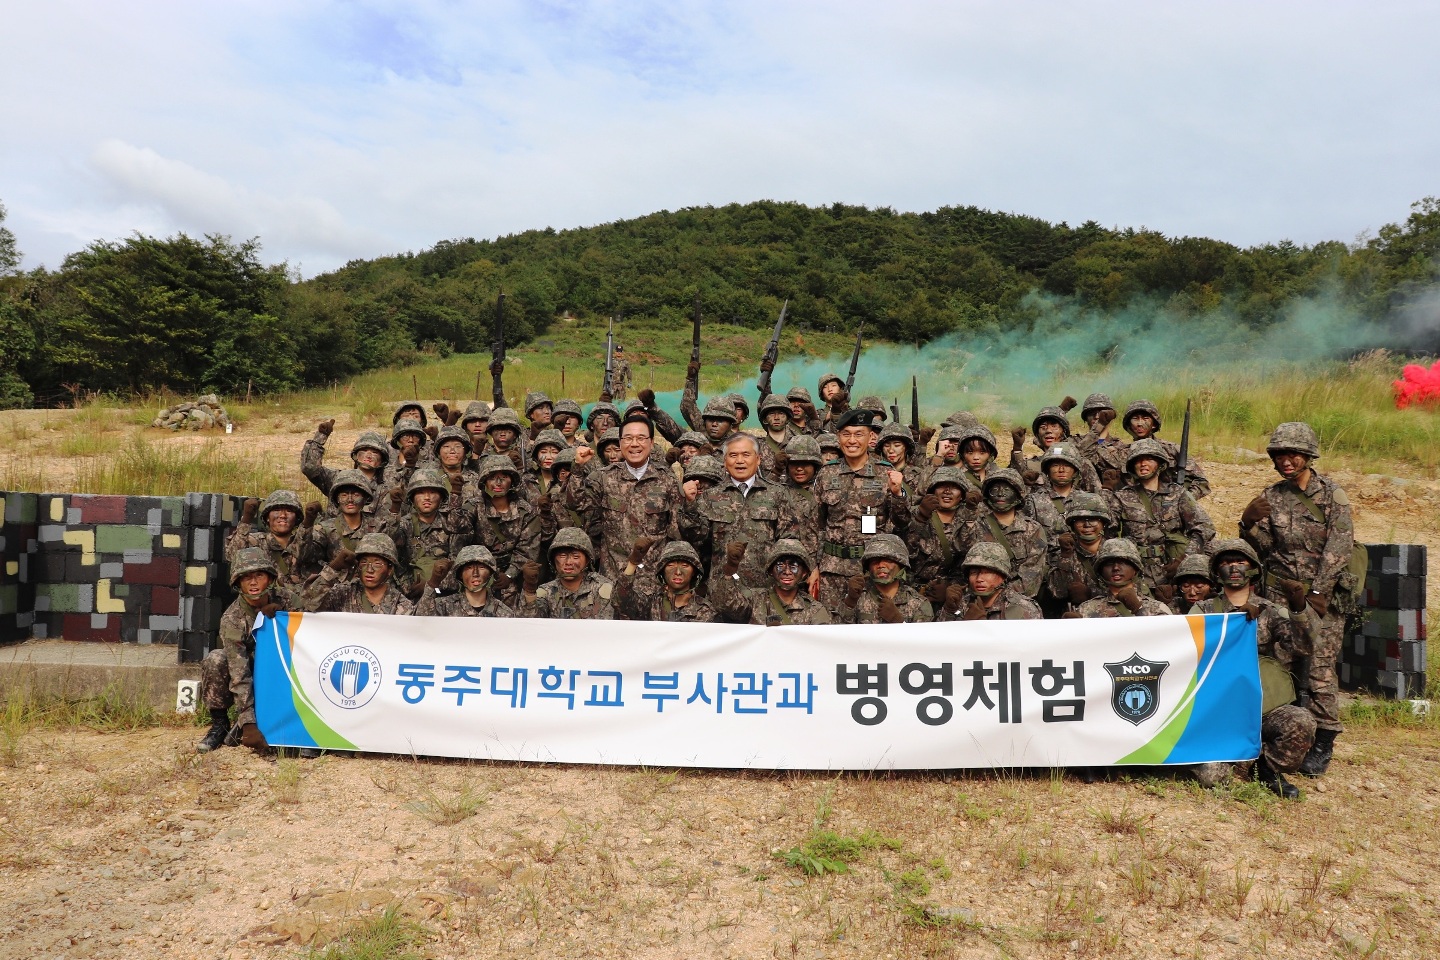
{"x": 9, "y": 253}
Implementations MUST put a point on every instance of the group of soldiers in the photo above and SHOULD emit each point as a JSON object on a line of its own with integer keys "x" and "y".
{"x": 824, "y": 513}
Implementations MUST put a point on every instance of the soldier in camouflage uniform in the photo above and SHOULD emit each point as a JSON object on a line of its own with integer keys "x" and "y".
{"x": 1120, "y": 566}
{"x": 804, "y": 419}
{"x": 453, "y": 463}
{"x": 466, "y": 591}
{"x": 829, "y": 448}
{"x": 369, "y": 455}
{"x": 667, "y": 593}
{"x": 1160, "y": 517}
{"x": 999, "y": 520}
{"x": 939, "y": 517}
{"x": 604, "y": 417}
{"x": 504, "y": 522}
{"x": 988, "y": 592}
{"x": 1193, "y": 585}
{"x": 747, "y": 509}
{"x": 1304, "y": 533}
{"x": 350, "y": 493}
{"x": 858, "y": 500}
{"x": 686, "y": 446}
{"x": 775, "y": 418}
{"x": 284, "y": 540}
{"x": 409, "y": 441}
{"x": 977, "y": 454}
{"x": 372, "y": 591}
{"x": 474, "y": 424}
{"x": 566, "y": 418}
{"x": 608, "y": 450}
{"x": 1051, "y": 426}
{"x": 881, "y": 595}
{"x": 577, "y": 592}
{"x": 1287, "y": 731}
{"x": 227, "y": 674}
{"x": 1049, "y": 498}
{"x": 539, "y": 479}
{"x": 718, "y": 420}
{"x": 504, "y": 438}
{"x": 1074, "y": 570}
{"x": 621, "y": 377}
{"x": 897, "y": 447}
{"x": 1142, "y": 421}
{"x": 632, "y": 498}
{"x": 410, "y": 410}
{"x": 837, "y": 402}
{"x": 802, "y": 465}
{"x": 1105, "y": 453}
{"x": 783, "y": 601}
{"x": 425, "y": 536}
{"x": 539, "y": 411}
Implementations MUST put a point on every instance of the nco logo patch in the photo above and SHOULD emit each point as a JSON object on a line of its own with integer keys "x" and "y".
{"x": 1135, "y": 688}
{"x": 350, "y": 677}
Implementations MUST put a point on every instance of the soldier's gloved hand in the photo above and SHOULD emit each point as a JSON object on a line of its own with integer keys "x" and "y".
{"x": 312, "y": 510}
{"x": 888, "y": 612}
{"x": 1031, "y": 477}
{"x": 530, "y": 576}
{"x": 926, "y": 435}
{"x": 397, "y": 497}
{"x": 1130, "y": 597}
{"x": 734, "y": 553}
{"x": 343, "y": 560}
{"x": 973, "y": 498}
{"x": 808, "y": 408}
{"x": 1252, "y": 609}
{"x": 497, "y": 367}
{"x": 1172, "y": 568}
{"x": 1294, "y": 592}
{"x": 606, "y": 396}
{"x": 413, "y": 591}
{"x": 706, "y": 450}
{"x": 432, "y": 431}
{"x": 411, "y": 456}
{"x": 1318, "y": 602}
{"x": 1110, "y": 478}
{"x": 1105, "y": 418}
{"x": 502, "y": 580}
{"x": 457, "y": 483}
{"x": 437, "y": 575}
{"x": 934, "y": 591}
{"x": 672, "y": 456}
{"x": 514, "y": 454}
{"x": 543, "y": 503}
{"x": 853, "y": 588}
{"x": 840, "y": 402}
{"x": 767, "y": 365}
{"x": 1068, "y": 404}
{"x": 1071, "y": 615}
{"x": 954, "y": 597}
{"x": 975, "y": 611}
{"x": 928, "y": 505}
{"x": 642, "y": 546}
{"x": 270, "y": 609}
{"x": 647, "y": 398}
{"x": 248, "y": 511}
{"x": 1255, "y": 511}
{"x": 325, "y": 426}
{"x": 452, "y": 418}
{"x": 1017, "y": 437}
{"x": 1078, "y": 592}
{"x": 692, "y": 371}
{"x": 1066, "y": 542}
{"x": 442, "y": 410}
{"x": 1164, "y": 593}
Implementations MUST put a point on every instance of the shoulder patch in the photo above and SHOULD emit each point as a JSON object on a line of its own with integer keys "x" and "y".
{"x": 605, "y": 590}
{"x": 1338, "y": 496}
{"x": 541, "y": 593}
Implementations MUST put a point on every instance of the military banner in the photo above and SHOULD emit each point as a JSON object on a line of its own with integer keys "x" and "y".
{"x": 1115, "y": 691}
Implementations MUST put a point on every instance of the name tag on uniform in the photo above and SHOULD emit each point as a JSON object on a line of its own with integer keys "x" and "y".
{"x": 867, "y": 523}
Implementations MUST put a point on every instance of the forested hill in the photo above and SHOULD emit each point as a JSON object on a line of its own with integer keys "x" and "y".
{"x": 186, "y": 313}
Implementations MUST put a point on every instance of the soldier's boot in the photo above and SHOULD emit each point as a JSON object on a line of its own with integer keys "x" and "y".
{"x": 1317, "y": 761}
{"x": 309, "y": 753}
{"x": 1273, "y": 781}
{"x": 215, "y": 738}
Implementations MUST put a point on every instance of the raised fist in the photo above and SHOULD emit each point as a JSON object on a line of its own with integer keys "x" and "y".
{"x": 1017, "y": 437}
{"x": 457, "y": 483}
{"x": 312, "y": 510}
{"x": 928, "y": 505}
{"x": 1172, "y": 568}
{"x": 1070, "y": 615}
{"x": 325, "y": 426}
{"x": 432, "y": 431}
{"x": 734, "y": 553}
{"x": 606, "y": 396}
{"x": 889, "y": 613}
{"x": 1031, "y": 477}
{"x": 954, "y": 596}
{"x": 1068, "y": 404}
{"x": 853, "y": 588}
{"x": 247, "y": 512}
{"x": 642, "y": 546}
{"x": 1067, "y": 544}
{"x": 1164, "y": 592}
{"x": 584, "y": 455}
{"x": 840, "y": 402}
{"x": 397, "y": 496}
{"x": 437, "y": 575}
{"x": 782, "y": 460}
{"x": 976, "y": 610}
{"x": 530, "y": 576}
{"x": 497, "y": 367}
{"x": 934, "y": 591}
{"x": 343, "y": 560}
{"x": 502, "y": 580}
{"x": 543, "y": 503}
{"x": 1110, "y": 478}
{"x": 442, "y": 410}
{"x": 411, "y": 456}
{"x": 926, "y": 435}
{"x": 809, "y": 410}
{"x": 514, "y": 454}
{"x": 1105, "y": 417}
{"x": 452, "y": 418}
{"x": 1255, "y": 511}
{"x": 672, "y": 455}
{"x": 1078, "y": 592}
{"x": 1130, "y": 597}
{"x": 767, "y": 365}
{"x": 973, "y": 497}
{"x": 647, "y": 398}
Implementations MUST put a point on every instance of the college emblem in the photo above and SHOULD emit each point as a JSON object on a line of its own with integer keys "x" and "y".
{"x": 1135, "y": 688}
{"x": 350, "y": 677}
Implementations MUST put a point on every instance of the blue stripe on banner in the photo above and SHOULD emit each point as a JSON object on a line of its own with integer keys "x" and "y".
{"x": 276, "y": 693}
{"x": 1230, "y": 652}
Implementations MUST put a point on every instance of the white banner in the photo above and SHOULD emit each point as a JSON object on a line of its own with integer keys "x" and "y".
{"x": 1142, "y": 690}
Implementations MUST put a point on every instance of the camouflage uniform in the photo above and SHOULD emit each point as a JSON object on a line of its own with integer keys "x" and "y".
{"x": 1042, "y": 501}
{"x": 1086, "y": 479}
{"x": 1309, "y": 537}
{"x": 1195, "y": 481}
{"x": 312, "y": 465}
{"x": 643, "y": 596}
{"x": 397, "y": 472}
{"x": 475, "y": 411}
{"x": 736, "y": 603}
{"x": 913, "y": 607}
{"x": 932, "y": 543}
{"x": 1109, "y": 606}
{"x": 328, "y": 593}
{"x": 621, "y": 378}
{"x": 811, "y": 427}
{"x": 1010, "y": 605}
{"x": 457, "y": 603}
{"x": 331, "y": 534}
{"x": 534, "y": 483}
{"x": 772, "y": 450}
{"x": 846, "y": 496}
{"x": 1104, "y": 454}
{"x": 619, "y": 509}
{"x": 1025, "y": 539}
{"x": 1194, "y": 566}
{"x": 723, "y": 515}
{"x": 565, "y": 408}
{"x": 296, "y": 560}
{"x": 825, "y": 422}
{"x": 1073, "y": 579}
{"x": 1164, "y": 524}
{"x": 594, "y": 599}
{"x": 420, "y": 545}
{"x": 804, "y": 506}
{"x": 916, "y": 478}
{"x": 513, "y": 536}
{"x": 227, "y": 674}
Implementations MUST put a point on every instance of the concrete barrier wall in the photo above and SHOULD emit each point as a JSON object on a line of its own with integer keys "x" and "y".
{"x": 1386, "y": 652}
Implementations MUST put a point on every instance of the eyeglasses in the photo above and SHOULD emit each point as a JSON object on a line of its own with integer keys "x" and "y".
{"x": 787, "y": 566}
{"x": 373, "y": 564}
{"x": 349, "y": 495}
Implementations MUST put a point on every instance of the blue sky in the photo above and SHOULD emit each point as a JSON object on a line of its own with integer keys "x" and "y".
{"x": 340, "y": 130}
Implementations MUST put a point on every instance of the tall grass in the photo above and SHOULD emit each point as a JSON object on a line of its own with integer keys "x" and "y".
{"x": 145, "y": 469}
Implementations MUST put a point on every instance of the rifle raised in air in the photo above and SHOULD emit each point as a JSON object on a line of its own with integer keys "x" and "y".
{"x": 609, "y": 358}
{"x": 772, "y": 354}
{"x": 497, "y": 354}
{"x": 1184, "y": 457}
{"x": 854, "y": 359}
{"x": 695, "y": 333}
{"x": 915, "y": 409}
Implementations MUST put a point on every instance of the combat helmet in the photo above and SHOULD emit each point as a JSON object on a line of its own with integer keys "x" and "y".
{"x": 475, "y": 410}
{"x": 1221, "y": 547}
{"x": 378, "y": 545}
{"x": 504, "y": 417}
{"x": 952, "y": 431}
{"x": 407, "y": 425}
{"x": 678, "y": 550}
{"x": 565, "y": 458}
{"x": 963, "y": 419}
{"x": 798, "y": 395}
{"x": 1005, "y": 475}
{"x": 1094, "y": 402}
{"x": 947, "y": 474}
{"x": 718, "y": 408}
{"x": 601, "y": 406}
{"x": 886, "y": 546}
{"x": 452, "y": 435}
{"x": 898, "y": 431}
{"x": 281, "y": 500}
{"x": 978, "y": 431}
{"x": 608, "y": 437}
{"x": 741, "y": 405}
{"x": 827, "y": 441}
{"x": 829, "y": 378}
{"x": 1195, "y": 566}
{"x": 427, "y": 480}
{"x": 353, "y": 479}
{"x": 1120, "y": 549}
{"x": 474, "y": 553}
{"x": 1087, "y": 506}
{"x": 702, "y": 467}
{"x": 874, "y": 403}
{"x": 251, "y": 560}
{"x": 804, "y": 449}
{"x": 535, "y": 399}
{"x": 372, "y": 440}
{"x": 569, "y": 408}
{"x": 990, "y": 556}
{"x": 773, "y": 401}
{"x": 1050, "y": 413}
{"x": 410, "y": 410}
{"x": 1141, "y": 406}
{"x": 1147, "y": 448}
{"x": 548, "y": 437}
{"x": 571, "y": 538}
{"x": 788, "y": 547}
{"x": 1062, "y": 452}
{"x": 498, "y": 463}
{"x": 692, "y": 438}
{"x": 1294, "y": 437}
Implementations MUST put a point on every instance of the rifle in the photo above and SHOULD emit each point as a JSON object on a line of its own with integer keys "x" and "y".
{"x": 772, "y": 353}
{"x": 915, "y": 409}
{"x": 609, "y": 358}
{"x": 895, "y": 411}
{"x": 1184, "y": 448}
{"x": 695, "y": 333}
{"x": 497, "y": 354}
{"x": 854, "y": 359}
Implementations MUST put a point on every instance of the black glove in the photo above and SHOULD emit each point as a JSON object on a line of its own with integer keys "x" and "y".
{"x": 247, "y": 512}
{"x": 325, "y": 426}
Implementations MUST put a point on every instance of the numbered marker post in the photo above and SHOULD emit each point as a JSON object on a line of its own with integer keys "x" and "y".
{"x": 187, "y": 694}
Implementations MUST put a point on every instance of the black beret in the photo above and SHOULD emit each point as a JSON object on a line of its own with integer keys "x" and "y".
{"x": 856, "y": 418}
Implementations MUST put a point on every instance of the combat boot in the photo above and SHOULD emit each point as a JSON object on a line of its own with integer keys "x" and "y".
{"x": 215, "y": 738}
{"x": 1317, "y": 761}
{"x": 1273, "y": 781}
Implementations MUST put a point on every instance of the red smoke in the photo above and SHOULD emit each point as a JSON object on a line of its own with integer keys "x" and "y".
{"x": 1418, "y": 386}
